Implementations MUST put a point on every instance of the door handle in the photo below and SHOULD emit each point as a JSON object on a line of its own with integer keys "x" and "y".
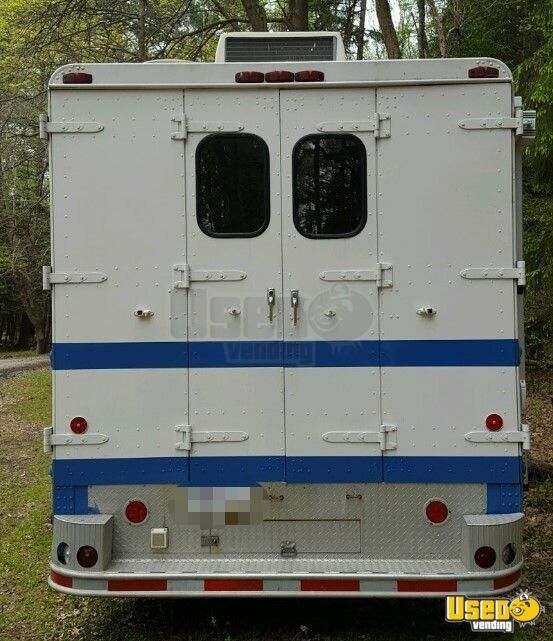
{"x": 294, "y": 302}
{"x": 271, "y": 302}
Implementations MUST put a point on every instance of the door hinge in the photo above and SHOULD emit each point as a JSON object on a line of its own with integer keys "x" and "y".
{"x": 186, "y": 126}
{"x": 523, "y": 122}
{"x": 377, "y": 275}
{"x": 50, "y": 439}
{"x": 385, "y": 437}
{"x": 190, "y": 436}
{"x": 46, "y": 127}
{"x": 517, "y": 273}
{"x": 188, "y": 275}
{"x": 380, "y": 124}
{"x": 514, "y": 436}
{"x": 50, "y": 278}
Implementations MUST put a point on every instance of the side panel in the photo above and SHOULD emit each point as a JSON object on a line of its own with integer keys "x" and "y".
{"x": 118, "y": 208}
{"x": 445, "y": 204}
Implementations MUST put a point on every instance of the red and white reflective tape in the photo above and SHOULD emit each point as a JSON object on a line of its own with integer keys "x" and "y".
{"x": 185, "y": 585}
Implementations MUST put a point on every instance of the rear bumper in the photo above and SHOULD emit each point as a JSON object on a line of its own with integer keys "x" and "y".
{"x": 229, "y": 583}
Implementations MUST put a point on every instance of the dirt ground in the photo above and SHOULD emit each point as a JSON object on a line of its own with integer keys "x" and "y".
{"x": 30, "y": 611}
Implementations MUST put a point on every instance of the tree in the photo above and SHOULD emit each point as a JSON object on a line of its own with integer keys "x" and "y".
{"x": 389, "y": 33}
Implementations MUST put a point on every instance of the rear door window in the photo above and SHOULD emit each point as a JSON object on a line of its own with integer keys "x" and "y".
{"x": 232, "y": 182}
{"x": 330, "y": 186}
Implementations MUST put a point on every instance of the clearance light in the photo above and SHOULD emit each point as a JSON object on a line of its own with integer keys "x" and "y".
{"x": 484, "y": 557}
{"x": 494, "y": 422}
{"x": 77, "y": 78}
{"x": 78, "y": 425}
{"x": 309, "y": 76}
{"x": 249, "y": 76}
{"x": 87, "y": 557}
{"x": 436, "y": 511}
{"x": 484, "y": 72}
{"x": 136, "y": 512}
{"x": 279, "y": 76}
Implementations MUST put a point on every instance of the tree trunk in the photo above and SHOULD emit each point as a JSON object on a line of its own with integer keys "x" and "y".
{"x": 256, "y": 14}
{"x": 439, "y": 26}
{"x": 141, "y": 31}
{"x": 25, "y": 332}
{"x": 421, "y": 29}
{"x": 387, "y": 28}
{"x": 361, "y": 32}
{"x": 298, "y": 15}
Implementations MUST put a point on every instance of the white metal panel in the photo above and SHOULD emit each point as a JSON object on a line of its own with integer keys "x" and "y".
{"x": 118, "y": 208}
{"x": 445, "y": 203}
{"x": 322, "y": 399}
{"x": 434, "y": 407}
{"x": 136, "y": 409}
{"x": 236, "y": 397}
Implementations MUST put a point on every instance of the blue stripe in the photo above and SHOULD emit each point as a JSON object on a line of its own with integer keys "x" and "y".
{"x": 504, "y": 498}
{"x": 456, "y": 353}
{"x": 250, "y": 470}
{"x": 228, "y": 354}
{"x": 451, "y": 469}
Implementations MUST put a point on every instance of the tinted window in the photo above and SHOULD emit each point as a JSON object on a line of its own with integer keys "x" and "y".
{"x": 330, "y": 185}
{"x": 232, "y": 174}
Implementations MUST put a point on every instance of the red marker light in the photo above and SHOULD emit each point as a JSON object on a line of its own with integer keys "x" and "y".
{"x": 309, "y": 76}
{"x": 279, "y": 76}
{"x": 249, "y": 76}
{"x": 436, "y": 511}
{"x": 77, "y": 78}
{"x": 484, "y": 557}
{"x": 484, "y": 72}
{"x": 87, "y": 556}
{"x": 494, "y": 422}
{"x": 136, "y": 512}
{"x": 78, "y": 425}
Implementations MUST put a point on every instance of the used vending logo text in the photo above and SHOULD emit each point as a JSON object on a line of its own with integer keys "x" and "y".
{"x": 493, "y": 614}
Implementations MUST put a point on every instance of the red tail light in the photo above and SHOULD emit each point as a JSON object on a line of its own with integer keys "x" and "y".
{"x": 77, "y": 78}
{"x": 484, "y": 72}
{"x": 87, "y": 557}
{"x": 309, "y": 76}
{"x": 494, "y": 422}
{"x": 136, "y": 512}
{"x": 249, "y": 76}
{"x": 279, "y": 76}
{"x": 484, "y": 557}
{"x": 78, "y": 425}
{"x": 436, "y": 511}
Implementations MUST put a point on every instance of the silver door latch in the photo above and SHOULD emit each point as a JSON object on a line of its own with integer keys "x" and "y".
{"x": 294, "y": 303}
{"x": 271, "y": 302}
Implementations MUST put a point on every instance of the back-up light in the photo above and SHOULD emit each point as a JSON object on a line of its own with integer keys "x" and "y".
{"x": 77, "y": 78}
{"x": 279, "y": 76}
{"x": 249, "y": 76}
{"x": 309, "y": 76}
{"x": 484, "y": 72}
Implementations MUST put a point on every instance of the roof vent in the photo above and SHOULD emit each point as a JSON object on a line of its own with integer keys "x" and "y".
{"x": 280, "y": 47}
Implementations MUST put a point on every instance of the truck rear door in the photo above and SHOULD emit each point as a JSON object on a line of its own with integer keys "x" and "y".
{"x": 331, "y": 280}
{"x": 235, "y": 290}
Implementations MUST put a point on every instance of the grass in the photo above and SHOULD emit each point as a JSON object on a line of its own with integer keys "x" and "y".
{"x": 30, "y": 611}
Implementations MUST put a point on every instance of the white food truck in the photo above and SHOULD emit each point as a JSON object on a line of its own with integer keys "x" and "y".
{"x": 287, "y": 303}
